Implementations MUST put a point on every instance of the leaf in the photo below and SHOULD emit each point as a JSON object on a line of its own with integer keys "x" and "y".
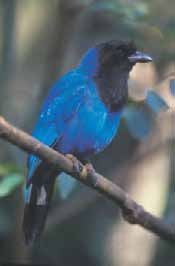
{"x": 172, "y": 87}
{"x": 9, "y": 183}
{"x": 155, "y": 102}
{"x": 135, "y": 12}
{"x": 138, "y": 122}
{"x": 6, "y": 169}
{"x": 104, "y": 6}
{"x": 3, "y": 170}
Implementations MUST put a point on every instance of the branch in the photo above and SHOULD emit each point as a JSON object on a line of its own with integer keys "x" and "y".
{"x": 62, "y": 212}
{"x": 132, "y": 212}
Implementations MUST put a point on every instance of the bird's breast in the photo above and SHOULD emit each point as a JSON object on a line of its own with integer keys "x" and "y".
{"x": 90, "y": 131}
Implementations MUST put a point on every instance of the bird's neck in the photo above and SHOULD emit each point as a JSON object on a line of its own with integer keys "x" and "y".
{"x": 89, "y": 63}
{"x": 111, "y": 81}
{"x": 112, "y": 87}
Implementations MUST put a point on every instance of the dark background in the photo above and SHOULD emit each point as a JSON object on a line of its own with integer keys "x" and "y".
{"x": 39, "y": 41}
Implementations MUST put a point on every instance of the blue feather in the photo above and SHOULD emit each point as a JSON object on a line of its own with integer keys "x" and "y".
{"x": 80, "y": 115}
{"x": 73, "y": 115}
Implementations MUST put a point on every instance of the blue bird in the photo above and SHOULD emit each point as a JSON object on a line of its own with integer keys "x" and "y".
{"x": 79, "y": 116}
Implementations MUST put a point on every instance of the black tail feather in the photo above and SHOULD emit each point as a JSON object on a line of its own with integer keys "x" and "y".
{"x": 34, "y": 221}
{"x": 37, "y": 206}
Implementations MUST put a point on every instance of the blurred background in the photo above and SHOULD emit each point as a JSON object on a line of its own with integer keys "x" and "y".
{"x": 39, "y": 41}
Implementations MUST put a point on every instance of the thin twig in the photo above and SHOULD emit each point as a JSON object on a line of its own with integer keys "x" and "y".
{"x": 132, "y": 212}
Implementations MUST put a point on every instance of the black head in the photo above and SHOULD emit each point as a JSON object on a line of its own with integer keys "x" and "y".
{"x": 115, "y": 60}
{"x": 121, "y": 54}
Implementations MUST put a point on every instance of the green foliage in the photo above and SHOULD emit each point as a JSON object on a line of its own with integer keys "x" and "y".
{"x": 6, "y": 169}
{"x": 133, "y": 11}
{"x": 9, "y": 183}
{"x": 10, "y": 179}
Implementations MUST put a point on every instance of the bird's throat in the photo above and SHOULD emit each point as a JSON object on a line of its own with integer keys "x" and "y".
{"x": 113, "y": 90}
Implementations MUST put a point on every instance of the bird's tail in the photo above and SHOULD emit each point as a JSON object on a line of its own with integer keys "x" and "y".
{"x": 38, "y": 197}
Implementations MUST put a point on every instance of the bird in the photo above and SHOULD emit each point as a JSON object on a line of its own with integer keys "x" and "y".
{"x": 79, "y": 116}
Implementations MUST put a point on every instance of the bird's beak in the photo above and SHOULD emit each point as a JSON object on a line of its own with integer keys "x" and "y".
{"x": 139, "y": 57}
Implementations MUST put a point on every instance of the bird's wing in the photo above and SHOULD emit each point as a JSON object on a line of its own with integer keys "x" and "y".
{"x": 61, "y": 104}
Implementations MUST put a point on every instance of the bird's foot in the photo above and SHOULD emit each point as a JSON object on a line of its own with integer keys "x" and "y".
{"x": 89, "y": 173}
{"x": 79, "y": 168}
{"x": 88, "y": 169}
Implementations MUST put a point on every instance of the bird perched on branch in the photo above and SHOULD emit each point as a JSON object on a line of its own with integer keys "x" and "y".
{"x": 80, "y": 116}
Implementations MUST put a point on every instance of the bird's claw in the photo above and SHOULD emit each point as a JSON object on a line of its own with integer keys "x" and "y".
{"x": 89, "y": 172}
{"x": 89, "y": 169}
{"x": 78, "y": 168}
